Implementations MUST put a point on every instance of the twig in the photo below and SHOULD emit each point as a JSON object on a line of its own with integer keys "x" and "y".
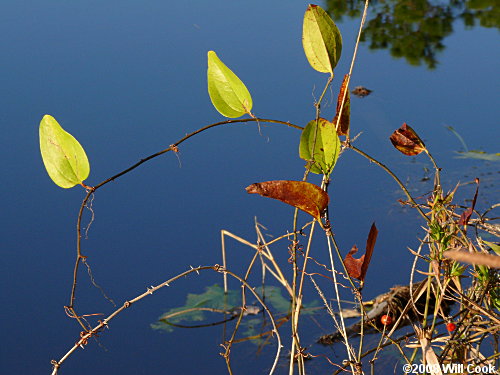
{"x": 92, "y": 189}
{"x": 104, "y": 323}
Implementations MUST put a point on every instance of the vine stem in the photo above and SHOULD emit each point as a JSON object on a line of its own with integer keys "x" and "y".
{"x": 104, "y": 323}
{"x": 173, "y": 147}
{"x": 240, "y": 316}
{"x": 79, "y": 258}
{"x": 296, "y": 310}
{"x": 342, "y": 329}
{"x": 91, "y": 189}
{"x": 362, "y": 23}
{"x": 296, "y": 299}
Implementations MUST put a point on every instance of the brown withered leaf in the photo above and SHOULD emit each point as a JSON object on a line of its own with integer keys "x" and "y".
{"x": 352, "y": 264}
{"x": 303, "y": 195}
{"x": 370, "y": 245}
{"x": 407, "y": 141}
{"x": 464, "y": 218}
{"x": 490, "y": 260}
{"x": 357, "y": 268}
{"x": 343, "y": 127}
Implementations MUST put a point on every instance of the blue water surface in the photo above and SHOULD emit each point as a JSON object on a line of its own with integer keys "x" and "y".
{"x": 128, "y": 79}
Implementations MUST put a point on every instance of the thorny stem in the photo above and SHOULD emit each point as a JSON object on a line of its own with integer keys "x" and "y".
{"x": 104, "y": 323}
{"x": 296, "y": 295}
{"x": 79, "y": 258}
{"x": 173, "y": 147}
{"x": 392, "y": 342}
{"x": 329, "y": 232}
{"x": 296, "y": 311}
{"x": 240, "y": 317}
{"x": 363, "y": 19}
{"x": 295, "y": 341}
{"x": 185, "y": 138}
{"x": 342, "y": 329}
{"x": 331, "y": 239}
{"x": 91, "y": 190}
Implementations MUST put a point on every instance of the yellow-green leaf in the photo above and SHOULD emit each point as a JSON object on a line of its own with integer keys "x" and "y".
{"x": 63, "y": 157}
{"x": 495, "y": 247}
{"x": 228, "y": 93}
{"x": 320, "y": 145}
{"x": 321, "y": 39}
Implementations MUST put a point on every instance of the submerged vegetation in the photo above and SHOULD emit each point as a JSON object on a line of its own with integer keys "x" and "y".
{"x": 451, "y": 314}
{"x": 473, "y": 154}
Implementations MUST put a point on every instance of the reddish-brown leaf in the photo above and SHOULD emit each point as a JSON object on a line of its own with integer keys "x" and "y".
{"x": 343, "y": 127}
{"x": 303, "y": 195}
{"x": 464, "y": 218}
{"x": 357, "y": 268}
{"x": 352, "y": 264}
{"x": 370, "y": 245}
{"x": 407, "y": 141}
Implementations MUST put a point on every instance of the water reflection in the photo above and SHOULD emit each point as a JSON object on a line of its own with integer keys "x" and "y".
{"x": 415, "y": 29}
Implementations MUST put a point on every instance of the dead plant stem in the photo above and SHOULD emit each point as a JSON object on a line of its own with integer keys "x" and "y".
{"x": 362, "y": 23}
{"x": 86, "y": 335}
{"x": 91, "y": 190}
{"x": 229, "y": 344}
{"x": 295, "y": 242}
{"x": 350, "y": 353}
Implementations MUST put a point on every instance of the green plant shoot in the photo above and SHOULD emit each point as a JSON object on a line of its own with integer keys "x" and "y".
{"x": 63, "y": 156}
{"x": 321, "y": 40}
{"x": 228, "y": 93}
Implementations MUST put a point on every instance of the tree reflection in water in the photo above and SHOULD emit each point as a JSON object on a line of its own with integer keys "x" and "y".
{"x": 415, "y": 29}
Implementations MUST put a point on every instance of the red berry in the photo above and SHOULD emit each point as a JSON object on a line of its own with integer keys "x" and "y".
{"x": 385, "y": 320}
{"x": 451, "y": 327}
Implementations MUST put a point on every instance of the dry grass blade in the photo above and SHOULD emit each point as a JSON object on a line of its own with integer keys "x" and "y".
{"x": 490, "y": 260}
{"x": 427, "y": 352}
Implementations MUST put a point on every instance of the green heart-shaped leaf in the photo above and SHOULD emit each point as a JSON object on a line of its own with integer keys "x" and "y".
{"x": 321, "y": 39}
{"x": 320, "y": 144}
{"x": 228, "y": 93}
{"x": 63, "y": 157}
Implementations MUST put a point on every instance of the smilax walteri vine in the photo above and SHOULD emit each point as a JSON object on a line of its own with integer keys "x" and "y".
{"x": 320, "y": 143}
